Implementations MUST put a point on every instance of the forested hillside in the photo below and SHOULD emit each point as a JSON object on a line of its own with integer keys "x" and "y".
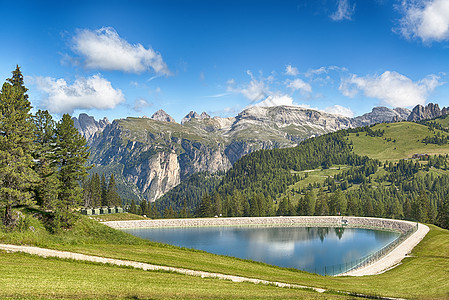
{"x": 368, "y": 171}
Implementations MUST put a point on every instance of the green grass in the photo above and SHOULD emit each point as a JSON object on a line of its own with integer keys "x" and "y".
{"x": 118, "y": 217}
{"x": 423, "y": 275}
{"x": 408, "y": 138}
{"x": 26, "y": 276}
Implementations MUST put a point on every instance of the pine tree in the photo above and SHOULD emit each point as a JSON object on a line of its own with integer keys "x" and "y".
{"x": 103, "y": 191}
{"x": 184, "y": 212}
{"x": 133, "y": 207}
{"x": 95, "y": 190}
{"x": 112, "y": 196}
{"x": 72, "y": 154}
{"x": 205, "y": 208}
{"x": 16, "y": 135}
{"x": 443, "y": 213}
{"x": 144, "y": 211}
{"x": 421, "y": 207}
{"x": 47, "y": 189}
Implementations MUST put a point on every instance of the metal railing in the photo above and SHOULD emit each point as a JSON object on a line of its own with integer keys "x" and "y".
{"x": 366, "y": 260}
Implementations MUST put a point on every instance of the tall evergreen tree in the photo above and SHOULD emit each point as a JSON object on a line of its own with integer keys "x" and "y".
{"x": 112, "y": 196}
{"x": 443, "y": 213}
{"x": 16, "y": 135}
{"x": 72, "y": 155}
{"x": 133, "y": 207}
{"x": 205, "y": 208}
{"x": 44, "y": 137}
{"x": 104, "y": 191}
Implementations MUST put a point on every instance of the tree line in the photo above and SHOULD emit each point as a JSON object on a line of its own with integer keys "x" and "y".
{"x": 99, "y": 192}
{"x": 259, "y": 184}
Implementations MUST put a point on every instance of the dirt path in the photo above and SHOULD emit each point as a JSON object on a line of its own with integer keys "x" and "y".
{"x": 393, "y": 258}
{"x": 144, "y": 266}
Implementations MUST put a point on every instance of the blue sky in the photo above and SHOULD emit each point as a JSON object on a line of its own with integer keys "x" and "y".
{"x": 131, "y": 58}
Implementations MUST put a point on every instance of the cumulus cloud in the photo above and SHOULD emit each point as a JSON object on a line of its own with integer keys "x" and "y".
{"x": 344, "y": 11}
{"x": 140, "y": 104}
{"x": 105, "y": 49}
{"x": 299, "y": 84}
{"x": 84, "y": 93}
{"x": 340, "y": 110}
{"x": 254, "y": 91}
{"x": 292, "y": 71}
{"x": 276, "y": 100}
{"x": 391, "y": 88}
{"x": 427, "y": 20}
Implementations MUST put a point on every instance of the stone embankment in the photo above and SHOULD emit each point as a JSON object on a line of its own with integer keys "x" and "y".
{"x": 331, "y": 221}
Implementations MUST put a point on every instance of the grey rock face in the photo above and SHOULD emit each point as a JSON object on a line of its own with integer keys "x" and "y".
{"x": 190, "y": 116}
{"x": 88, "y": 126}
{"x": 161, "y": 115}
{"x": 193, "y": 115}
{"x": 381, "y": 115}
{"x": 156, "y": 154}
{"x": 428, "y": 112}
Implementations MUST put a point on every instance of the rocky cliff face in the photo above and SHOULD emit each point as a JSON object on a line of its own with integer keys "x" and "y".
{"x": 162, "y": 116}
{"x": 156, "y": 154}
{"x": 381, "y": 115}
{"x": 427, "y": 112}
{"x": 88, "y": 126}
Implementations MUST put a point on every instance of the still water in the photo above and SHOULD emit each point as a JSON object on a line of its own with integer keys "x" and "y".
{"x": 306, "y": 248}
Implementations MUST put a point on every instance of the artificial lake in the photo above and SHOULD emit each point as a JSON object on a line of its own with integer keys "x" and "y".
{"x": 313, "y": 249}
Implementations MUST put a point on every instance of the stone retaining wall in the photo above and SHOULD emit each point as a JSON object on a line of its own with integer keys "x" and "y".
{"x": 331, "y": 221}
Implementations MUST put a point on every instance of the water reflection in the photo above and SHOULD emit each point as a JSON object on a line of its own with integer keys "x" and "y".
{"x": 305, "y": 248}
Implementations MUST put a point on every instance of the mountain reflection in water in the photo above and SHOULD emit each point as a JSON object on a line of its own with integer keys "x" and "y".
{"x": 305, "y": 248}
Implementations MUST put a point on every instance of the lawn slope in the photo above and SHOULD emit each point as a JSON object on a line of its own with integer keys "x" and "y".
{"x": 423, "y": 275}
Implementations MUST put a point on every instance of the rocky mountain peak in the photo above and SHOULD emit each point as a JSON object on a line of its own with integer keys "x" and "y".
{"x": 427, "y": 112}
{"x": 161, "y": 115}
{"x": 403, "y": 112}
{"x": 381, "y": 114}
{"x": 190, "y": 116}
{"x": 204, "y": 115}
{"x": 88, "y": 126}
{"x": 194, "y": 115}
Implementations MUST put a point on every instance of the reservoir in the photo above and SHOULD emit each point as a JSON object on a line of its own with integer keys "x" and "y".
{"x": 322, "y": 250}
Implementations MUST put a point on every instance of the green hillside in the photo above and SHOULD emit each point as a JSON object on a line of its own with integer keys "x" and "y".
{"x": 399, "y": 141}
{"x": 367, "y": 171}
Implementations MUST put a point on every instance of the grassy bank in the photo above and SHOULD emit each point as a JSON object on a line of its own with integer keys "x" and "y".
{"x": 422, "y": 276}
{"x": 26, "y": 276}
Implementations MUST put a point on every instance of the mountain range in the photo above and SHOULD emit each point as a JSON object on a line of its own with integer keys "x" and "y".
{"x": 150, "y": 156}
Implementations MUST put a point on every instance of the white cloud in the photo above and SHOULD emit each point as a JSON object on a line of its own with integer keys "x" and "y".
{"x": 340, "y": 110}
{"x": 105, "y": 49}
{"x": 298, "y": 84}
{"x": 255, "y": 90}
{"x": 344, "y": 11}
{"x": 391, "y": 88}
{"x": 289, "y": 70}
{"x": 84, "y": 93}
{"x": 276, "y": 100}
{"x": 217, "y": 95}
{"x": 427, "y": 20}
{"x": 140, "y": 104}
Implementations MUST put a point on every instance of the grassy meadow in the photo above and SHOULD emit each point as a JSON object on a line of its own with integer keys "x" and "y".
{"x": 400, "y": 140}
{"x": 424, "y": 275}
